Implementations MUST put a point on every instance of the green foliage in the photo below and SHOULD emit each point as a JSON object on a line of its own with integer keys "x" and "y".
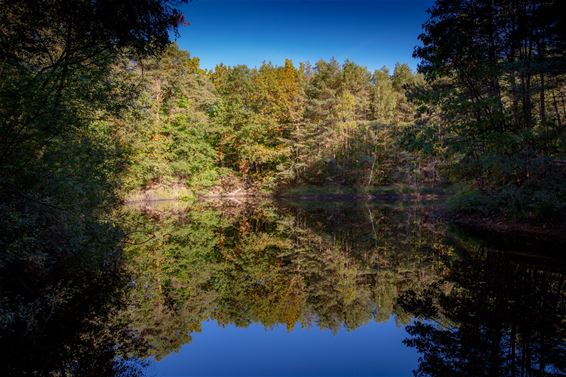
{"x": 171, "y": 137}
{"x": 271, "y": 126}
{"x": 66, "y": 80}
{"x": 325, "y": 266}
{"x": 489, "y": 109}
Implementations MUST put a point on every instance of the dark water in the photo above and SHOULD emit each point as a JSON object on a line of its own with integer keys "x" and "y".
{"x": 308, "y": 289}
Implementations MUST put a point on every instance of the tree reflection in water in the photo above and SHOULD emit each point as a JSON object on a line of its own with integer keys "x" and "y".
{"x": 479, "y": 311}
{"x": 58, "y": 305}
{"x": 333, "y": 266}
{"x": 494, "y": 314}
{"x": 470, "y": 310}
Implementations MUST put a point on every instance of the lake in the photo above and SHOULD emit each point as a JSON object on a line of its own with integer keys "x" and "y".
{"x": 295, "y": 288}
{"x": 340, "y": 288}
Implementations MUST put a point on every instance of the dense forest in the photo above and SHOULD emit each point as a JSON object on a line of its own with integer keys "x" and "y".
{"x": 482, "y": 121}
{"x": 270, "y": 126}
{"x": 98, "y": 106}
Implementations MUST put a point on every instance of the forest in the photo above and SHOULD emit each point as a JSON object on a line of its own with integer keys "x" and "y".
{"x": 269, "y": 127}
{"x": 482, "y": 120}
{"x": 99, "y": 106}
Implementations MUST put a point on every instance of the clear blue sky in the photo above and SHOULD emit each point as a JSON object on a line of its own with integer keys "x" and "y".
{"x": 372, "y": 33}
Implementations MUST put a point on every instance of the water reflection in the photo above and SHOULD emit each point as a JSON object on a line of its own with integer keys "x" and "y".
{"x": 58, "y": 308}
{"x": 374, "y": 349}
{"x": 490, "y": 315}
{"x": 344, "y": 265}
{"x": 329, "y": 268}
{"x": 388, "y": 274}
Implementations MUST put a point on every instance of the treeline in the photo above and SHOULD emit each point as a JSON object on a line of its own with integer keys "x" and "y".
{"x": 269, "y": 126}
{"x": 485, "y": 117}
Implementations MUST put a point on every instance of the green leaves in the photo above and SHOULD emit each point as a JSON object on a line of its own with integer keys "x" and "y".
{"x": 489, "y": 84}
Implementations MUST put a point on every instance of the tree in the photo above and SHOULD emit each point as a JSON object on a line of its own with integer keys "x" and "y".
{"x": 383, "y": 97}
{"x": 66, "y": 75}
{"x": 177, "y": 142}
{"x": 485, "y": 61}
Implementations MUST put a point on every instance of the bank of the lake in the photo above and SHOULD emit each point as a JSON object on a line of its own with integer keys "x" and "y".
{"x": 249, "y": 193}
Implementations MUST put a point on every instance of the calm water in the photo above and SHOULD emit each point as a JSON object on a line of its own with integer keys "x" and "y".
{"x": 317, "y": 289}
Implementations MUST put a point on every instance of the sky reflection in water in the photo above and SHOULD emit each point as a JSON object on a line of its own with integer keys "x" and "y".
{"x": 374, "y": 349}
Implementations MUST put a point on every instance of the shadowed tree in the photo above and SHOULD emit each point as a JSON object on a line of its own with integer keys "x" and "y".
{"x": 66, "y": 71}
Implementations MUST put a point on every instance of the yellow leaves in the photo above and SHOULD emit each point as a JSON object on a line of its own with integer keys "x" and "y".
{"x": 259, "y": 154}
{"x": 346, "y": 109}
{"x": 280, "y": 89}
{"x": 244, "y": 166}
{"x": 265, "y": 242}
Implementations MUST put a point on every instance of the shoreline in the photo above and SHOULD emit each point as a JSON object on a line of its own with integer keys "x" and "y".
{"x": 496, "y": 225}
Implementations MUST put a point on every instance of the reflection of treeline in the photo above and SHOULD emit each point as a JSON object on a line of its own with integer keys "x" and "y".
{"x": 491, "y": 314}
{"x": 333, "y": 268}
{"x": 478, "y": 309}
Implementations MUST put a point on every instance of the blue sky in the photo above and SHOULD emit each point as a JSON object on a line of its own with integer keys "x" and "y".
{"x": 372, "y": 33}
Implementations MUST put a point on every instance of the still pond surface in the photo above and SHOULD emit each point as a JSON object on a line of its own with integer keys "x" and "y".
{"x": 304, "y": 288}
{"x": 340, "y": 289}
